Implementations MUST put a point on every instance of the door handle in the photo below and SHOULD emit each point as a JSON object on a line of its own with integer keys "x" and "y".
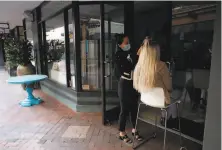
{"x": 169, "y": 65}
{"x": 107, "y": 62}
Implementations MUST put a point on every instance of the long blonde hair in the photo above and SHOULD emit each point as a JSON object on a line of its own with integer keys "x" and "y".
{"x": 145, "y": 70}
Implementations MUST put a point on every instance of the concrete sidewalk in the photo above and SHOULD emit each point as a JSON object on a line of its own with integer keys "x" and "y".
{"x": 53, "y": 126}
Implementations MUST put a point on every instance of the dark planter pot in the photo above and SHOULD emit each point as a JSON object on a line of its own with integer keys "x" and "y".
{"x": 12, "y": 71}
{"x": 26, "y": 70}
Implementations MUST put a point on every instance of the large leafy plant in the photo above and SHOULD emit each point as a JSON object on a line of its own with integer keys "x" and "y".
{"x": 17, "y": 52}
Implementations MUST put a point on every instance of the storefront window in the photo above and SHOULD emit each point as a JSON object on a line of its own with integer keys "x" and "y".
{"x": 21, "y": 33}
{"x": 191, "y": 52}
{"x": 71, "y": 46}
{"x": 90, "y": 39}
{"x": 55, "y": 49}
{"x": 187, "y": 40}
{"x": 29, "y": 36}
{"x": 114, "y": 24}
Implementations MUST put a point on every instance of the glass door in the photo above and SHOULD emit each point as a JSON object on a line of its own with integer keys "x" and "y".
{"x": 113, "y": 23}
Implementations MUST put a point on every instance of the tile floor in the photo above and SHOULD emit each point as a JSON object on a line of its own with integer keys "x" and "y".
{"x": 53, "y": 126}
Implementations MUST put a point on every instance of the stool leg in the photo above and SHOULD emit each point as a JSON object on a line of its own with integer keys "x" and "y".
{"x": 184, "y": 100}
{"x": 165, "y": 130}
{"x": 155, "y": 125}
{"x": 178, "y": 114}
{"x": 136, "y": 123}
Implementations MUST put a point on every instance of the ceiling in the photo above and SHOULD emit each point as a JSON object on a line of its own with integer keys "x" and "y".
{"x": 12, "y": 11}
{"x": 115, "y": 12}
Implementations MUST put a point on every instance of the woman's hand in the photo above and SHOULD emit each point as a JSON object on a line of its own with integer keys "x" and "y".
{"x": 129, "y": 58}
{"x": 146, "y": 41}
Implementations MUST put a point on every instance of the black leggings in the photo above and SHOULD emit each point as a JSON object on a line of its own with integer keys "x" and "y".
{"x": 128, "y": 103}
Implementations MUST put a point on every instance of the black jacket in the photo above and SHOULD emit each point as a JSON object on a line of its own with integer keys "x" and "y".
{"x": 125, "y": 62}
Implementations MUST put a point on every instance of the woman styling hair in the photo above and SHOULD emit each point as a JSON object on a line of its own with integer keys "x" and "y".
{"x": 127, "y": 94}
{"x": 150, "y": 72}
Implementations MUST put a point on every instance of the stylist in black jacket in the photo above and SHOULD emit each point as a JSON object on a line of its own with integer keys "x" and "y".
{"x": 127, "y": 95}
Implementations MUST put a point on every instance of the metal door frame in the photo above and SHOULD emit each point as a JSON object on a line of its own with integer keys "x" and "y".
{"x": 102, "y": 51}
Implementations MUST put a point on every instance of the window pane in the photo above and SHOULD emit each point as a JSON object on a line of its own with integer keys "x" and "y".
{"x": 183, "y": 28}
{"x": 28, "y": 25}
{"x": 29, "y": 31}
{"x": 15, "y": 32}
{"x": 114, "y": 24}
{"x": 29, "y": 36}
{"x": 21, "y": 37}
{"x": 205, "y": 26}
{"x": 53, "y": 7}
{"x": 21, "y": 30}
{"x": 71, "y": 46}
{"x": 56, "y": 49}
{"x": 192, "y": 56}
{"x": 90, "y": 38}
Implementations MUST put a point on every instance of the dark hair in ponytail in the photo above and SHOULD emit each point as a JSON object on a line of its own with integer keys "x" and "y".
{"x": 119, "y": 38}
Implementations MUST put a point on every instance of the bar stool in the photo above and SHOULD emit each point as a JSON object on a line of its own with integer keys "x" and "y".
{"x": 155, "y": 98}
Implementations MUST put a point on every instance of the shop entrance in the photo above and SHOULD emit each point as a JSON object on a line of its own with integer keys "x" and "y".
{"x": 112, "y": 16}
{"x": 131, "y": 19}
{"x": 180, "y": 38}
{"x": 99, "y": 23}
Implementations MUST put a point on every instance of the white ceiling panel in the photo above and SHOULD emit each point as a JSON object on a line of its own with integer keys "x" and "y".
{"x": 12, "y": 11}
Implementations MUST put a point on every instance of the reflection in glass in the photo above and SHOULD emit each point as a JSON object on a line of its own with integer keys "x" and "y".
{"x": 29, "y": 37}
{"x": 90, "y": 38}
{"x": 21, "y": 31}
{"x": 192, "y": 56}
{"x": 114, "y": 24}
{"x": 56, "y": 49}
{"x": 71, "y": 47}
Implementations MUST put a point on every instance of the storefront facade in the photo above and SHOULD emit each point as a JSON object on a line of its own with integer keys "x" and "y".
{"x": 70, "y": 42}
{"x": 74, "y": 44}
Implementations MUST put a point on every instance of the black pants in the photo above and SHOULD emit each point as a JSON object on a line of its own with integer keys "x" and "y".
{"x": 128, "y": 103}
{"x": 194, "y": 93}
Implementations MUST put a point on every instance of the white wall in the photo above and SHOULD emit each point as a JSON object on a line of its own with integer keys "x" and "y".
{"x": 212, "y": 140}
{"x": 12, "y": 11}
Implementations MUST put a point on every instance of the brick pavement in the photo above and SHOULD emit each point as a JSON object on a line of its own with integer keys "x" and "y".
{"x": 53, "y": 126}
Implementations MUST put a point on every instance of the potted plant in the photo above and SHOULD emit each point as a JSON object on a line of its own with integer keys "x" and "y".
{"x": 25, "y": 57}
{"x": 18, "y": 57}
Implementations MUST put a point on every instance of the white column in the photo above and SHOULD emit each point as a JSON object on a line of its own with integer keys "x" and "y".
{"x": 212, "y": 133}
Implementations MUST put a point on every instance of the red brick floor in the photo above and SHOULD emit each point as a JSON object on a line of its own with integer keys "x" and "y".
{"x": 53, "y": 126}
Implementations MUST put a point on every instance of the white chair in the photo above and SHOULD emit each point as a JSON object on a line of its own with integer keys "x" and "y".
{"x": 155, "y": 98}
